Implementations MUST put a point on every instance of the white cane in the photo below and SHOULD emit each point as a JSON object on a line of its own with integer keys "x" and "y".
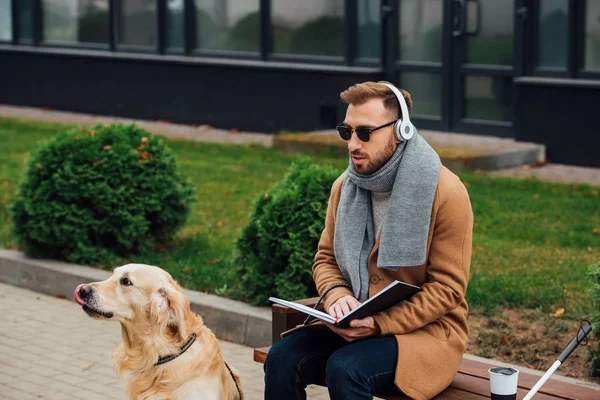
{"x": 581, "y": 335}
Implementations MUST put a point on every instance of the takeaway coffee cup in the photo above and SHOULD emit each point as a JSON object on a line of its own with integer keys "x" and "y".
{"x": 503, "y": 383}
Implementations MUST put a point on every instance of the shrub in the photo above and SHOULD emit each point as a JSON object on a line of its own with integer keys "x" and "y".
{"x": 277, "y": 247}
{"x": 594, "y": 355}
{"x": 89, "y": 195}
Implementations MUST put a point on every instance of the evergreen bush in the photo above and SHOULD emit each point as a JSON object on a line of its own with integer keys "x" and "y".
{"x": 277, "y": 247}
{"x": 91, "y": 194}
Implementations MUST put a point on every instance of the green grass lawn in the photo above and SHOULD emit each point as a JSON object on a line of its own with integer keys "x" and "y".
{"x": 533, "y": 241}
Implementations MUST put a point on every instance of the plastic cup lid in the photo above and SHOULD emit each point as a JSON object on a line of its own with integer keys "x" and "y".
{"x": 504, "y": 370}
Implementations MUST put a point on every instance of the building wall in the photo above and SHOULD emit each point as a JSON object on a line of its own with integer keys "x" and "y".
{"x": 247, "y": 96}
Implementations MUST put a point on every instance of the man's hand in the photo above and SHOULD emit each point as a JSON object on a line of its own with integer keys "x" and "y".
{"x": 359, "y": 329}
{"x": 343, "y": 306}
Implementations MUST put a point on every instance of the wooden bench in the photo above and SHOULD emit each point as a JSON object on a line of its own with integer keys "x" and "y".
{"x": 470, "y": 383}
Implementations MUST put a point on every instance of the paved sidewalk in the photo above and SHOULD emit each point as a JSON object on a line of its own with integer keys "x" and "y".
{"x": 49, "y": 349}
{"x": 200, "y": 133}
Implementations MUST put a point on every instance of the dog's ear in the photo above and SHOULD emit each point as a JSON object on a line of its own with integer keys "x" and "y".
{"x": 168, "y": 308}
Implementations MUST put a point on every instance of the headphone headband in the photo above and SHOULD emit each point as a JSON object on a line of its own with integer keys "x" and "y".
{"x": 405, "y": 129}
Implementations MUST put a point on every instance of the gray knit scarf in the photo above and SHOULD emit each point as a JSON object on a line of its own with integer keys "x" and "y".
{"x": 412, "y": 175}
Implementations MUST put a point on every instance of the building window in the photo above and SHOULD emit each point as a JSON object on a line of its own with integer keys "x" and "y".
{"x": 25, "y": 20}
{"x": 75, "y": 22}
{"x": 232, "y": 25}
{"x": 592, "y": 35}
{"x": 175, "y": 24}
{"x": 137, "y": 23}
{"x": 5, "y": 20}
{"x": 553, "y": 33}
{"x": 488, "y": 98}
{"x": 425, "y": 90}
{"x": 493, "y": 44}
{"x": 369, "y": 29}
{"x": 308, "y": 27}
{"x": 420, "y": 30}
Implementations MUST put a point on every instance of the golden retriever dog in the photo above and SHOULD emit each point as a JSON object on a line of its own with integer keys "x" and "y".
{"x": 166, "y": 351}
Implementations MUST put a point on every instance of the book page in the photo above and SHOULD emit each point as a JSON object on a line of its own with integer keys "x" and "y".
{"x": 302, "y": 308}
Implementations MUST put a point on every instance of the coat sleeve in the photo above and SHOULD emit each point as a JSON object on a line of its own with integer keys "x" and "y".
{"x": 326, "y": 272}
{"x": 448, "y": 266}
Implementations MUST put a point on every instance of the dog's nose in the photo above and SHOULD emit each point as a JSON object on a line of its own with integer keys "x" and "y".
{"x": 82, "y": 293}
{"x": 85, "y": 291}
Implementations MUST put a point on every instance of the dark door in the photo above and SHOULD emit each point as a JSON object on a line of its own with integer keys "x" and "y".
{"x": 458, "y": 59}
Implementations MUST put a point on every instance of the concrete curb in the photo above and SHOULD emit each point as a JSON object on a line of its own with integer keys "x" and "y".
{"x": 229, "y": 319}
{"x": 484, "y": 153}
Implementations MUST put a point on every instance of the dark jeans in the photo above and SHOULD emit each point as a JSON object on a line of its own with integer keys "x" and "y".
{"x": 350, "y": 371}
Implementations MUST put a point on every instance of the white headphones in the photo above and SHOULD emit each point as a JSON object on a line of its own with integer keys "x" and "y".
{"x": 403, "y": 128}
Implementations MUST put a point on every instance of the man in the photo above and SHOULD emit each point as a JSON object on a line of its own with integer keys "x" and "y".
{"x": 395, "y": 214}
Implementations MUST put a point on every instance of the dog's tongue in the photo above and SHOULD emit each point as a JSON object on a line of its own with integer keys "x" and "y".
{"x": 76, "y": 297}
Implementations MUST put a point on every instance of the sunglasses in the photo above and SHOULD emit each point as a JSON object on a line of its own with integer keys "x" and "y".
{"x": 364, "y": 134}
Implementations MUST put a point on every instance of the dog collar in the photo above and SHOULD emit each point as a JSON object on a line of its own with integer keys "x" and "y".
{"x": 188, "y": 343}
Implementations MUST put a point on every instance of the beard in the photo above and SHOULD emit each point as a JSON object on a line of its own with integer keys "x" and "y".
{"x": 376, "y": 161}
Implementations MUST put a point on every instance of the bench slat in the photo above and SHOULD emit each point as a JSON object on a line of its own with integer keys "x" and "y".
{"x": 527, "y": 381}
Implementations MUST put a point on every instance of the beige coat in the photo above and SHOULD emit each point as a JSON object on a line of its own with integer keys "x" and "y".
{"x": 430, "y": 328}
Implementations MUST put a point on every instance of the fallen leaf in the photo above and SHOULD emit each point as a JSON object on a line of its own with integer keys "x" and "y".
{"x": 107, "y": 147}
{"x": 538, "y": 164}
{"x": 266, "y": 196}
{"x": 89, "y": 366}
{"x": 234, "y": 130}
{"x": 559, "y": 311}
{"x": 478, "y": 247}
{"x": 536, "y": 196}
{"x": 590, "y": 249}
{"x": 204, "y": 127}
{"x": 144, "y": 139}
{"x": 145, "y": 155}
{"x": 526, "y": 167}
{"x": 61, "y": 296}
{"x": 187, "y": 269}
{"x": 596, "y": 231}
{"x": 162, "y": 121}
{"x": 220, "y": 224}
{"x": 211, "y": 262}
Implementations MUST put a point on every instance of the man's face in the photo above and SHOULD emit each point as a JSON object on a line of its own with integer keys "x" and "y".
{"x": 368, "y": 157}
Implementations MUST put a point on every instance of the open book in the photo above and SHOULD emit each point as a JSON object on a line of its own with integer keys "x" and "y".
{"x": 392, "y": 294}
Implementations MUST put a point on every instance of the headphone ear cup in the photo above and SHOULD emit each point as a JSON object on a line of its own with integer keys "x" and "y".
{"x": 397, "y": 130}
{"x": 406, "y": 130}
